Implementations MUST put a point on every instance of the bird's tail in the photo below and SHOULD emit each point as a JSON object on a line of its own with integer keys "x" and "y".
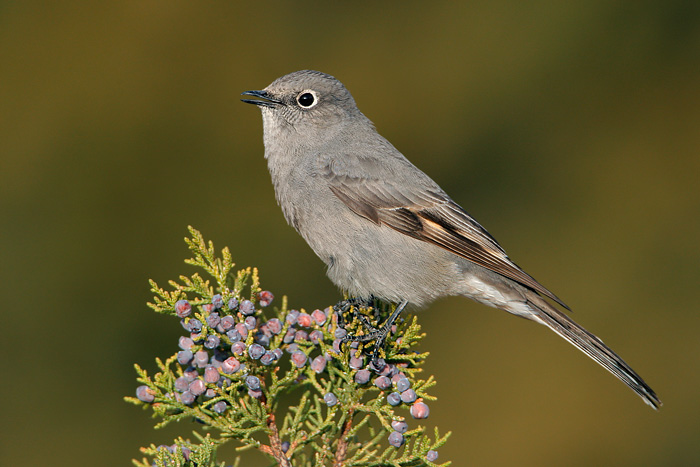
{"x": 591, "y": 346}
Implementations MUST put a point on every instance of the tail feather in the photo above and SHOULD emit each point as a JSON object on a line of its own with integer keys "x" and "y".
{"x": 593, "y": 347}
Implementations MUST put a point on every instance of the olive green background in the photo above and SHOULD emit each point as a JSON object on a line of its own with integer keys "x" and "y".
{"x": 571, "y": 130}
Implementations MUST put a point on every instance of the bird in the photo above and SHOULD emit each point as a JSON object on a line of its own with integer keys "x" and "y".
{"x": 384, "y": 228}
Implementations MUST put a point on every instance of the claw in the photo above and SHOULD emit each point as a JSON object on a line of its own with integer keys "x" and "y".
{"x": 378, "y": 335}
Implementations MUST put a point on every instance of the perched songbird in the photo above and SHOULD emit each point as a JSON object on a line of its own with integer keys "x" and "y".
{"x": 384, "y": 228}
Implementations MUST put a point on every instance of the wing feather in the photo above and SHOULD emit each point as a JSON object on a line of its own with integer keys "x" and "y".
{"x": 426, "y": 213}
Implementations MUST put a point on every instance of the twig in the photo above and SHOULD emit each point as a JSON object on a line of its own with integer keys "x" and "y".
{"x": 343, "y": 442}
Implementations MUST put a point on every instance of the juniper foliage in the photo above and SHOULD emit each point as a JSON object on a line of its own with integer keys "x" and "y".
{"x": 304, "y": 359}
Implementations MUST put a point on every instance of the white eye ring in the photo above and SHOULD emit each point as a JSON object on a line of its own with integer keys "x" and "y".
{"x": 307, "y": 99}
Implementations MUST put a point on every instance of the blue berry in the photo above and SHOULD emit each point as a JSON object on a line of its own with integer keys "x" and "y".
{"x": 197, "y": 387}
{"x": 219, "y": 407}
{"x": 212, "y": 341}
{"x": 211, "y": 374}
{"x": 208, "y": 308}
{"x": 185, "y": 343}
{"x": 431, "y": 456}
{"x": 403, "y": 384}
{"x": 399, "y": 426}
{"x": 201, "y": 358}
{"x": 256, "y": 351}
{"x": 408, "y": 396}
{"x": 278, "y": 353}
{"x": 265, "y": 298}
{"x": 230, "y": 365}
{"x": 184, "y": 357}
{"x": 394, "y": 398}
{"x": 420, "y": 410}
{"x": 183, "y": 308}
{"x": 275, "y": 326}
{"x": 190, "y": 373}
{"x": 299, "y": 358}
{"x": 256, "y": 393}
{"x": 389, "y": 370}
{"x": 382, "y": 382}
{"x": 289, "y": 336}
{"x": 267, "y": 358}
{"x": 265, "y": 329}
{"x": 250, "y": 322}
{"x": 242, "y": 330}
{"x": 330, "y": 399}
{"x": 253, "y": 382}
{"x": 194, "y": 325}
{"x": 238, "y": 348}
{"x": 396, "y": 439}
{"x": 262, "y": 339}
{"x": 357, "y": 362}
{"x": 291, "y": 348}
{"x": 227, "y": 322}
{"x": 232, "y": 304}
{"x": 187, "y": 398}
{"x": 233, "y": 335}
{"x": 292, "y": 316}
{"x": 217, "y": 300}
{"x": 246, "y": 307}
{"x": 377, "y": 365}
{"x": 213, "y": 320}
{"x": 362, "y": 376}
{"x": 316, "y": 336}
{"x": 399, "y": 375}
{"x": 144, "y": 394}
{"x": 181, "y": 384}
{"x": 285, "y": 446}
{"x": 336, "y": 345}
{"x": 318, "y": 364}
{"x": 340, "y": 333}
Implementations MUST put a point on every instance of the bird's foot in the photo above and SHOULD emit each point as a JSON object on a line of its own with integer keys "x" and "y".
{"x": 353, "y": 304}
{"x": 376, "y": 334}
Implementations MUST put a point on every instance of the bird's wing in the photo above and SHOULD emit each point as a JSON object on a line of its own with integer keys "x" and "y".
{"x": 420, "y": 209}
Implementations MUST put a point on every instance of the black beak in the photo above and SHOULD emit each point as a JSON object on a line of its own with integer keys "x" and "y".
{"x": 268, "y": 101}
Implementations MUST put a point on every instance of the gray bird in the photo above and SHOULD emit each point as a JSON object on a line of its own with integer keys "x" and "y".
{"x": 384, "y": 228}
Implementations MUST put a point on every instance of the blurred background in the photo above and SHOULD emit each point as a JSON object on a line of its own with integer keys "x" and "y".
{"x": 570, "y": 130}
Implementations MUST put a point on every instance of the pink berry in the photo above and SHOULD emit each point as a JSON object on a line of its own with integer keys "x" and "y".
{"x": 420, "y": 410}
{"x": 182, "y": 308}
{"x": 305, "y": 320}
{"x": 299, "y": 358}
{"x": 265, "y": 298}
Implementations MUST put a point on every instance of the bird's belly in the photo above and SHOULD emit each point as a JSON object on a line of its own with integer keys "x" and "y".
{"x": 366, "y": 259}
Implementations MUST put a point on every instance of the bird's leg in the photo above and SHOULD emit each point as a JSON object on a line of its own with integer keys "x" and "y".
{"x": 378, "y": 335}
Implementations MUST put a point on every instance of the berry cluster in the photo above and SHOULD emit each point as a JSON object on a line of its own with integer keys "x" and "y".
{"x": 230, "y": 341}
{"x": 238, "y": 361}
{"x": 225, "y": 340}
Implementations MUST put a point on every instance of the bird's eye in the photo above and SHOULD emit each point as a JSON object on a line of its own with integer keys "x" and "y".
{"x": 307, "y": 99}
